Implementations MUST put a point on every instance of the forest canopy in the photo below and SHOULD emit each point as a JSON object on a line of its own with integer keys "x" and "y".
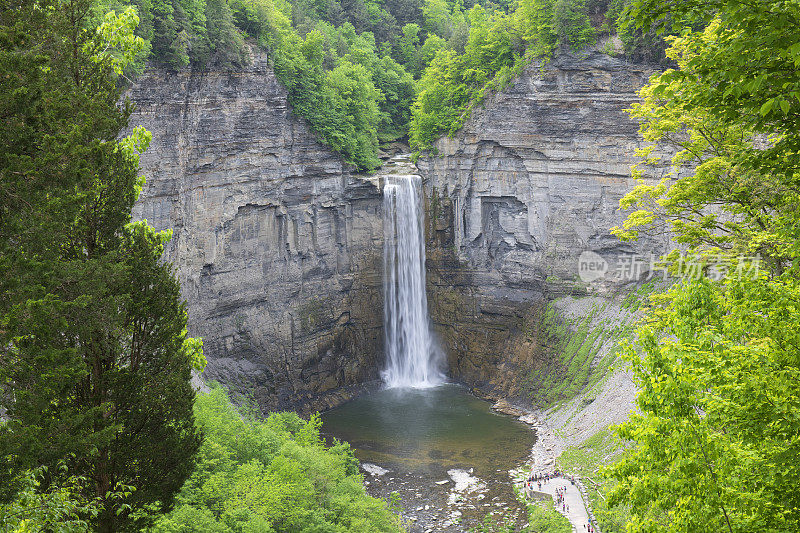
{"x": 364, "y": 72}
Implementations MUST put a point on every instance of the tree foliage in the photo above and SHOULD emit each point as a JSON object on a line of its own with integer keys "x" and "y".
{"x": 54, "y": 500}
{"x": 453, "y": 83}
{"x": 271, "y": 475}
{"x": 498, "y": 45}
{"x": 717, "y": 359}
{"x": 94, "y": 357}
{"x": 394, "y": 42}
{"x": 571, "y": 23}
{"x": 716, "y": 440}
{"x": 341, "y": 103}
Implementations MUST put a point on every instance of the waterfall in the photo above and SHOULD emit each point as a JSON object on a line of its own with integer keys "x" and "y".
{"x": 411, "y": 355}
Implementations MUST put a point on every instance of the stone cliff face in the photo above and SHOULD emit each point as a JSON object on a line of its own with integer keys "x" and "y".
{"x": 277, "y": 244}
{"x": 529, "y": 183}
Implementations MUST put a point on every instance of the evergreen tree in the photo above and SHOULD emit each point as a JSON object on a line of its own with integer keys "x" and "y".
{"x": 165, "y": 34}
{"x": 571, "y": 23}
{"x": 223, "y": 36}
{"x": 94, "y": 357}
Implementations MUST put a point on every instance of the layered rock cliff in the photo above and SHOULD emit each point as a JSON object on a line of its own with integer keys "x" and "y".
{"x": 530, "y": 182}
{"x": 276, "y": 243}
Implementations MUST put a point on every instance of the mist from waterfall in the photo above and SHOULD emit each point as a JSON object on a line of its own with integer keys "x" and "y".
{"x": 412, "y": 357}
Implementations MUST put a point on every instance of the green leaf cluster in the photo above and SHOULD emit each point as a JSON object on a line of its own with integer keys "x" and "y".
{"x": 61, "y": 507}
{"x": 453, "y": 83}
{"x": 641, "y": 43}
{"x": 271, "y": 475}
{"x": 343, "y": 87}
{"x": 716, "y": 437}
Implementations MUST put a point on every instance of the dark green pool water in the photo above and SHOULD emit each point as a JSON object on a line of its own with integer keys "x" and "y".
{"x": 430, "y": 430}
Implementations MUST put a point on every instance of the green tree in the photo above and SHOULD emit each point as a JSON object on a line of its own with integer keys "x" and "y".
{"x": 271, "y": 475}
{"x": 439, "y": 100}
{"x": 395, "y": 86}
{"x": 717, "y": 367}
{"x": 452, "y": 84}
{"x": 488, "y": 48}
{"x": 58, "y": 508}
{"x": 165, "y": 33}
{"x": 405, "y": 11}
{"x": 438, "y": 18}
{"x": 95, "y": 361}
{"x": 535, "y": 18}
{"x": 640, "y": 45}
{"x": 409, "y": 46}
{"x": 717, "y": 361}
{"x": 226, "y": 42}
{"x": 398, "y": 90}
{"x": 428, "y": 51}
{"x": 571, "y": 23}
{"x": 351, "y": 113}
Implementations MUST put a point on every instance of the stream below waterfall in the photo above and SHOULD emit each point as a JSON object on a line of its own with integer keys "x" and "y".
{"x": 444, "y": 451}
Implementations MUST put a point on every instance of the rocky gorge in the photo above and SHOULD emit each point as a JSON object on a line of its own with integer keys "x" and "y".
{"x": 278, "y": 245}
{"x": 277, "y": 242}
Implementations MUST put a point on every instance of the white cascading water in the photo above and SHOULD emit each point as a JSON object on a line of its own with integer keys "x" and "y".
{"x": 411, "y": 354}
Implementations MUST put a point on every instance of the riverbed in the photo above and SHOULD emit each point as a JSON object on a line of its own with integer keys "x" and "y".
{"x": 444, "y": 451}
